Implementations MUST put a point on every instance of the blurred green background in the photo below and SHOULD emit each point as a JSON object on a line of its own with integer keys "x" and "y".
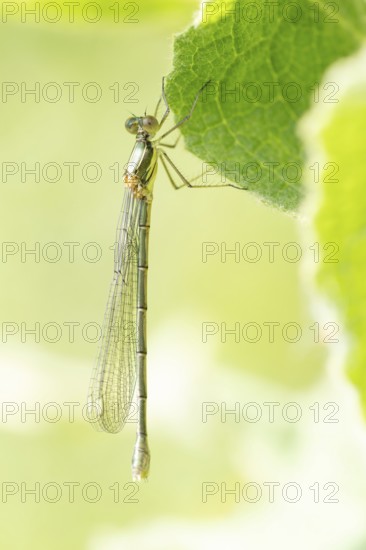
{"x": 184, "y": 372}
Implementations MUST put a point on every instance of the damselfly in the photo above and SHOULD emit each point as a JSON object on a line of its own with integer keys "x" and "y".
{"x": 121, "y": 363}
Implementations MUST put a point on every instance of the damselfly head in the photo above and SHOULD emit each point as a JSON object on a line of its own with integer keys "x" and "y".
{"x": 148, "y": 124}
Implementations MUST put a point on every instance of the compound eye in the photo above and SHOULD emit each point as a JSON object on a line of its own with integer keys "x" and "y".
{"x": 132, "y": 125}
{"x": 150, "y": 124}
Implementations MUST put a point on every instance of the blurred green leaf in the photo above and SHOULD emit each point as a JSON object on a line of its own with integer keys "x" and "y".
{"x": 336, "y": 138}
{"x": 265, "y": 63}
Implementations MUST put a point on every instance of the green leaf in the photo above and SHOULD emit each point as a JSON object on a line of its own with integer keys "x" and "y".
{"x": 272, "y": 58}
{"x": 336, "y": 134}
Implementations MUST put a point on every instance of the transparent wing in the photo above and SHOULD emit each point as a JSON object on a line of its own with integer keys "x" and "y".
{"x": 114, "y": 377}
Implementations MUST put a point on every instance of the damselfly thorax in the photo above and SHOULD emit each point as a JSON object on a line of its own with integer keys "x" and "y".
{"x": 142, "y": 165}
